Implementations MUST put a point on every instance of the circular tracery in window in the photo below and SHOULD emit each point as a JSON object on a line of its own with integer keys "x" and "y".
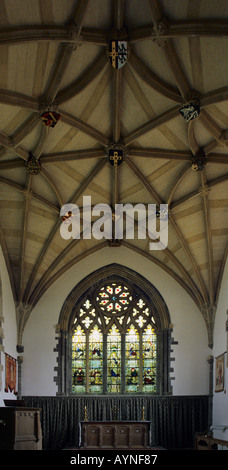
{"x": 114, "y": 298}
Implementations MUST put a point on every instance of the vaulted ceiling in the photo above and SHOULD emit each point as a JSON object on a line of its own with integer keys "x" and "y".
{"x": 54, "y": 57}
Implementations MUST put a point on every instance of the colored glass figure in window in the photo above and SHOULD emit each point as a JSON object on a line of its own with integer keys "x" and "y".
{"x": 114, "y": 360}
{"x": 149, "y": 360}
{"x": 95, "y": 360}
{"x": 78, "y": 360}
{"x": 132, "y": 360}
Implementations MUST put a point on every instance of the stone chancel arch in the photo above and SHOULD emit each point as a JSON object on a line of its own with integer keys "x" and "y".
{"x": 114, "y": 336}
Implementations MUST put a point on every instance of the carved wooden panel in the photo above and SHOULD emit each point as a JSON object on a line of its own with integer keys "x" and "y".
{"x": 115, "y": 434}
{"x": 20, "y": 429}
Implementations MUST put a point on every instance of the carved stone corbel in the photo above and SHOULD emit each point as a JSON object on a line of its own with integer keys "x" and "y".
{"x": 208, "y": 311}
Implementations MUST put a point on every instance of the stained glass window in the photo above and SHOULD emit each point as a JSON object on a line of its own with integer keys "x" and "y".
{"x": 114, "y": 342}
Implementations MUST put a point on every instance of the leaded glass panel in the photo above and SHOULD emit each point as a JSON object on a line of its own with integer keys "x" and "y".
{"x": 95, "y": 360}
{"x": 79, "y": 360}
{"x": 114, "y": 360}
{"x": 132, "y": 360}
{"x": 149, "y": 360}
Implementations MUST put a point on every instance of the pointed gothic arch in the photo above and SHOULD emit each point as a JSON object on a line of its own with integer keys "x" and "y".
{"x": 72, "y": 315}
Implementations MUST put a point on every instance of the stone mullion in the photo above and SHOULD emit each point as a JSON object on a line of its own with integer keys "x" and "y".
{"x": 123, "y": 364}
{"x": 105, "y": 364}
{"x": 87, "y": 362}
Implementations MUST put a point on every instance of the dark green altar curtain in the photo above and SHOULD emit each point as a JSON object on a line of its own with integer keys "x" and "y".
{"x": 174, "y": 419}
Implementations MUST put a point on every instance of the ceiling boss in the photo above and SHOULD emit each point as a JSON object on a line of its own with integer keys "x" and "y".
{"x": 118, "y": 49}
